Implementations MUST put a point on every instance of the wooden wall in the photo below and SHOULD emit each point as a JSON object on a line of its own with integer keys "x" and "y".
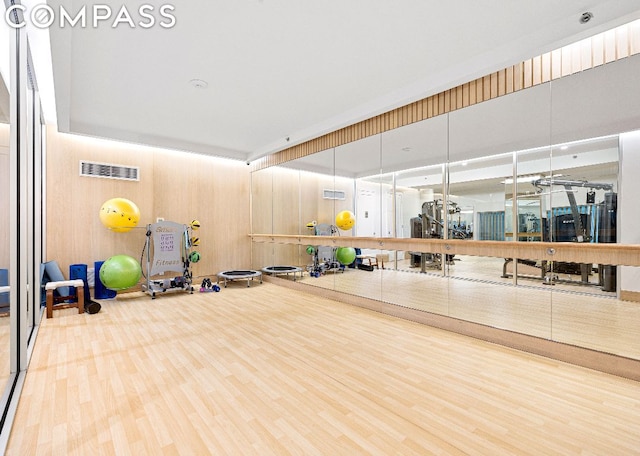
{"x": 175, "y": 186}
{"x": 600, "y": 49}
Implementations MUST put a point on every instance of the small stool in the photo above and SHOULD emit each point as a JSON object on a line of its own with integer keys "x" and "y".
{"x": 79, "y": 295}
{"x": 381, "y": 258}
{"x": 369, "y": 259}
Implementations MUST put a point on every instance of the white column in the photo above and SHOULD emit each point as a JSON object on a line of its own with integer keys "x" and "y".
{"x": 628, "y": 209}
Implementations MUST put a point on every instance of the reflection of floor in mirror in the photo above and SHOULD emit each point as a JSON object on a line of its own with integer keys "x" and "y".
{"x": 589, "y": 320}
{"x": 492, "y": 269}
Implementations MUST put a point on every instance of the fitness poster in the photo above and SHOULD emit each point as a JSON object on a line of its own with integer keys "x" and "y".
{"x": 167, "y": 247}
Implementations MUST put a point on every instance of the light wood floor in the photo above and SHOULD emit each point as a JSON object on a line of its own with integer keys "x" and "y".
{"x": 266, "y": 370}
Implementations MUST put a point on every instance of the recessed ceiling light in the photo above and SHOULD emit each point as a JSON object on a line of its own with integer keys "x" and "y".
{"x": 199, "y": 83}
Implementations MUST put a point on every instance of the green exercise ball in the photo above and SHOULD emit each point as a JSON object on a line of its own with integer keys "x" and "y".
{"x": 120, "y": 272}
{"x": 346, "y": 255}
{"x": 311, "y": 250}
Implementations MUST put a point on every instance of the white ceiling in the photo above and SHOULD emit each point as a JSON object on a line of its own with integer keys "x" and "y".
{"x": 295, "y": 69}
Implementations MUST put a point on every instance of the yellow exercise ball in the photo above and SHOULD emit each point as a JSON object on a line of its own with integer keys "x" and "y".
{"x": 195, "y": 224}
{"x": 345, "y": 220}
{"x": 119, "y": 214}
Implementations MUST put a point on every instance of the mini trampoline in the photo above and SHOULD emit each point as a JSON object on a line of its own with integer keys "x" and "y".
{"x": 247, "y": 275}
{"x": 286, "y": 270}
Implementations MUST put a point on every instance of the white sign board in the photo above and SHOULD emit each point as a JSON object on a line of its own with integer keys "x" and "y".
{"x": 168, "y": 247}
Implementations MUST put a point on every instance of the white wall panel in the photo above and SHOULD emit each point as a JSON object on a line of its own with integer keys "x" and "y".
{"x": 628, "y": 210}
{"x": 514, "y": 122}
{"x": 597, "y": 102}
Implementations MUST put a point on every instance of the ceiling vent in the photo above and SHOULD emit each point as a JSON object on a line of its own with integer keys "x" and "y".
{"x": 333, "y": 194}
{"x": 107, "y": 171}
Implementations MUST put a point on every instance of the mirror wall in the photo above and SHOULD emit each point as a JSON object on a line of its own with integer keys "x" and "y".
{"x": 5, "y": 204}
{"x": 21, "y": 229}
{"x": 513, "y": 168}
{"x": 364, "y": 199}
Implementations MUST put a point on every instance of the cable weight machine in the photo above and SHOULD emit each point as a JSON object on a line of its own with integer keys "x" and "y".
{"x": 598, "y": 226}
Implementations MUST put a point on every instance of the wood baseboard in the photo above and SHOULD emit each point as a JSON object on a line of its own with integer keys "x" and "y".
{"x": 584, "y": 357}
{"x": 633, "y": 296}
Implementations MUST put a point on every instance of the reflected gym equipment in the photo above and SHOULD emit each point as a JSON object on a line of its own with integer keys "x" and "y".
{"x": 283, "y": 270}
{"x": 345, "y": 255}
{"x": 607, "y": 234}
{"x": 324, "y": 257}
{"x": 590, "y": 223}
{"x": 345, "y": 220}
{"x": 430, "y": 225}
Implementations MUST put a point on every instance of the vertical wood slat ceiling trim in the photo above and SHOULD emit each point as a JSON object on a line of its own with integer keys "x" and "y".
{"x": 589, "y": 53}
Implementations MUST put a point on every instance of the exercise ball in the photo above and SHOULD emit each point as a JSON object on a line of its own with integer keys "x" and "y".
{"x": 311, "y": 250}
{"x": 194, "y": 241}
{"x": 346, "y": 255}
{"x": 194, "y": 257}
{"x": 120, "y": 272}
{"x": 345, "y": 220}
{"x": 119, "y": 214}
{"x": 195, "y": 224}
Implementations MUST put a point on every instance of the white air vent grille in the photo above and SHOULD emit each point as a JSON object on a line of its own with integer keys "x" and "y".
{"x": 333, "y": 194}
{"x": 109, "y": 171}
